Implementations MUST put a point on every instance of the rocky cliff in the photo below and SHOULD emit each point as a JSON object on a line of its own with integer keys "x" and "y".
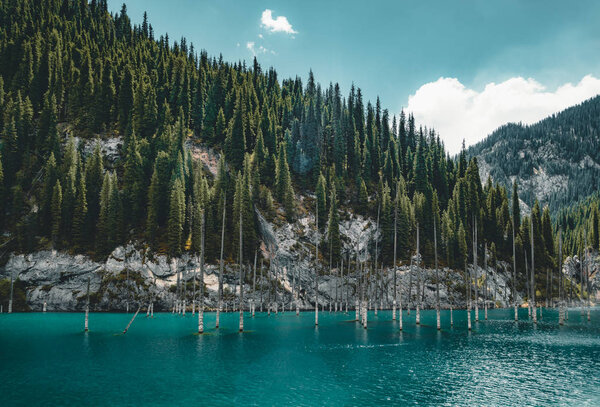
{"x": 133, "y": 274}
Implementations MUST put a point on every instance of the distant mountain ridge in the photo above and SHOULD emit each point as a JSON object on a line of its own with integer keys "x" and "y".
{"x": 556, "y": 160}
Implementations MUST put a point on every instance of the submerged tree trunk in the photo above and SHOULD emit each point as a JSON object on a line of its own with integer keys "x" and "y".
{"x": 130, "y": 322}
{"x": 485, "y": 294}
{"x": 418, "y": 280}
{"x": 468, "y": 288}
{"x": 376, "y": 256}
{"x": 475, "y": 271}
{"x": 437, "y": 276}
{"x": 220, "y": 294}
{"x": 194, "y": 293}
{"x": 533, "y": 311}
{"x": 587, "y": 278}
{"x": 201, "y": 301}
{"x": 514, "y": 270}
{"x": 561, "y": 305}
{"x": 87, "y": 307}
{"x": 317, "y": 268}
{"x": 252, "y": 305}
{"x": 394, "y": 266}
{"x": 10, "y": 299}
{"x": 241, "y": 279}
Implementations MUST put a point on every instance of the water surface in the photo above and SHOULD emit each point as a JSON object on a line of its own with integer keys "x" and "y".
{"x": 47, "y": 359}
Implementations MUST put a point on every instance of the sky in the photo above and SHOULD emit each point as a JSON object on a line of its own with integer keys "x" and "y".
{"x": 464, "y": 67}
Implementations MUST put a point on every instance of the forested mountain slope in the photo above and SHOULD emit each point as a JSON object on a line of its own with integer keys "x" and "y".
{"x": 70, "y": 71}
{"x": 556, "y": 160}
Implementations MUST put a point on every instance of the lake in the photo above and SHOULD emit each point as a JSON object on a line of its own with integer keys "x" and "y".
{"x": 47, "y": 359}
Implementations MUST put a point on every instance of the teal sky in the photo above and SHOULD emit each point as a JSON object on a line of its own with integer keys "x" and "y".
{"x": 392, "y": 48}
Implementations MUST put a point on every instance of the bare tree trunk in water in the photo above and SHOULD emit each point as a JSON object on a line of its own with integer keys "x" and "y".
{"x": 317, "y": 269}
{"x": 468, "y": 286}
{"x": 533, "y": 311}
{"x": 330, "y": 272}
{"x": 194, "y": 293}
{"x": 394, "y": 266}
{"x": 527, "y": 284}
{"x": 587, "y": 277}
{"x": 561, "y": 305}
{"x": 475, "y": 270}
{"x": 485, "y": 296}
{"x": 10, "y": 299}
{"x": 130, "y": 322}
{"x": 201, "y": 302}
{"x": 437, "y": 276}
{"x": 376, "y": 254}
{"x": 220, "y": 301}
{"x": 514, "y": 270}
{"x": 87, "y": 307}
{"x": 418, "y": 280}
{"x": 241, "y": 279}
{"x": 253, "y": 284}
{"x": 358, "y": 288}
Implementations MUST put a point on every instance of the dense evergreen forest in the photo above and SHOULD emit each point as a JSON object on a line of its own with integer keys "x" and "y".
{"x": 565, "y": 146}
{"x": 580, "y": 224}
{"x": 70, "y": 72}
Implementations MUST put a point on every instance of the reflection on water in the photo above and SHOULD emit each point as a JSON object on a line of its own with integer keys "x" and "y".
{"x": 283, "y": 360}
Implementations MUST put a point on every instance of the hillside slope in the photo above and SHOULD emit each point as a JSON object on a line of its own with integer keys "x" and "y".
{"x": 556, "y": 160}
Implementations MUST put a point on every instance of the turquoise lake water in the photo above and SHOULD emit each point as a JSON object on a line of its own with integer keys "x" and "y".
{"x": 47, "y": 359}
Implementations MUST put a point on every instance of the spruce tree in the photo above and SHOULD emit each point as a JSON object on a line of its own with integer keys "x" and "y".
{"x": 125, "y": 99}
{"x": 516, "y": 212}
{"x": 176, "y": 219}
{"x": 363, "y": 198}
{"x": 320, "y": 194}
{"x": 283, "y": 183}
{"x": 235, "y": 145}
{"x": 134, "y": 184}
{"x": 333, "y": 228}
{"x": 103, "y": 234}
{"x": 56, "y": 212}
{"x": 80, "y": 214}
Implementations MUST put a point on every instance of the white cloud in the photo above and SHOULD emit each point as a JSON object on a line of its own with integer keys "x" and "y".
{"x": 251, "y": 46}
{"x": 279, "y": 24}
{"x": 457, "y": 112}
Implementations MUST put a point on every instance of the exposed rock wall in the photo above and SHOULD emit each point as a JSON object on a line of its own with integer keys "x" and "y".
{"x": 61, "y": 279}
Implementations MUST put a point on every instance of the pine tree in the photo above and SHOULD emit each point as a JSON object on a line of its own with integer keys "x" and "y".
{"x": 102, "y": 240}
{"x": 134, "y": 184}
{"x": 56, "y": 211}
{"x": 94, "y": 173}
{"x": 125, "y": 99}
{"x": 321, "y": 200}
{"x": 516, "y": 212}
{"x": 333, "y": 228}
{"x": 115, "y": 214}
{"x": 235, "y": 145}
{"x": 80, "y": 214}
{"x": 363, "y": 198}
{"x": 283, "y": 183}
{"x": 220, "y": 131}
{"x": 176, "y": 219}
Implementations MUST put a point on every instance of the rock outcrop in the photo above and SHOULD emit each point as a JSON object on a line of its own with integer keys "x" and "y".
{"x": 133, "y": 274}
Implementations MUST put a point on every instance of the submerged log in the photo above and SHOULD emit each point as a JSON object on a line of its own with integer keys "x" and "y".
{"x": 130, "y": 322}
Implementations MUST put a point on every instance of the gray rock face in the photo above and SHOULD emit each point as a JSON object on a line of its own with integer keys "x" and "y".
{"x": 61, "y": 279}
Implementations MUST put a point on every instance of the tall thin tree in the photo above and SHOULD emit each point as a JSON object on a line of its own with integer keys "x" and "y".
{"x": 220, "y": 304}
